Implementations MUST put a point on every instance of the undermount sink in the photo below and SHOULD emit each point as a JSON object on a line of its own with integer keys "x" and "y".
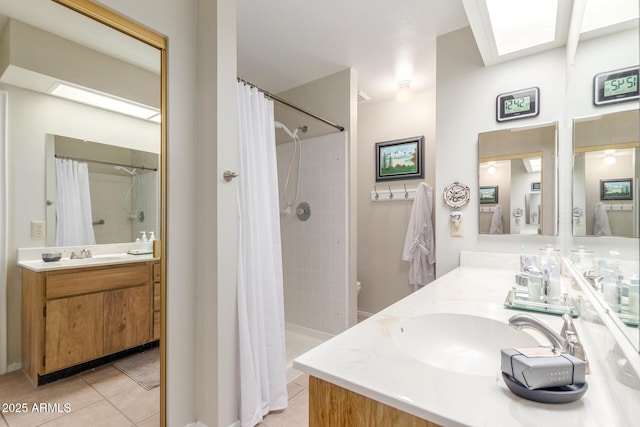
{"x": 458, "y": 342}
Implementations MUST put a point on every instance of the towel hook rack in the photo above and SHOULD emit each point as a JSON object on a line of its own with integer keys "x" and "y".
{"x": 390, "y": 193}
{"x": 406, "y": 193}
{"x": 376, "y": 191}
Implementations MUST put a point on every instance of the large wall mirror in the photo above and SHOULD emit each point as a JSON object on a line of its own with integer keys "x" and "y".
{"x": 605, "y": 175}
{"x": 83, "y": 85}
{"x": 518, "y": 180}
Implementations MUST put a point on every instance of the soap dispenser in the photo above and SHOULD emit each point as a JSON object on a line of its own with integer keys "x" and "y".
{"x": 143, "y": 237}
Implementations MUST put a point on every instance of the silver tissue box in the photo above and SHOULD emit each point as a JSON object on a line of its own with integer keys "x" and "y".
{"x": 540, "y": 367}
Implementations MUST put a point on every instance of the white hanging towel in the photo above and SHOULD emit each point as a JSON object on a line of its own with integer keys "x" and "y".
{"x": 601, "y": 223}
{"x": 419, "y": 242}
{"x": 496, "y": 221}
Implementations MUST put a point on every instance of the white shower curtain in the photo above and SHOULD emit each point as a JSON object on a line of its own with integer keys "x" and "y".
{"x": 73, "y": 209}
{"x": 263, "y": 385}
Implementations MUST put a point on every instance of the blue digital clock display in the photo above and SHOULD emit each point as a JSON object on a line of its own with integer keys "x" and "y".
{"x": 518, "y": 104}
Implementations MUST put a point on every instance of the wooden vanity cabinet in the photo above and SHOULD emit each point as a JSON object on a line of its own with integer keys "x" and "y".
{"x": 155, "y": 301}
{"x": 78, "y": 315}
{"x": 332, "y": 405}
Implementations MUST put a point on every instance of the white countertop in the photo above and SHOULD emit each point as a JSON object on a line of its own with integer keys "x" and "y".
{"x": 111, "y": 254}
{"x": 365, "y": 360}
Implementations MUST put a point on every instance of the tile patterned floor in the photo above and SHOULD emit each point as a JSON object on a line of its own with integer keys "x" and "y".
{"x": 297, "y": 414}
{"x": 100, "y": 397}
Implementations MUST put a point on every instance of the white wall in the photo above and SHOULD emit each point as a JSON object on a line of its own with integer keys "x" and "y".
{"x": 314, "y": 252}
{"x": 461, "y": 75}
{"x": 383, "y": 225}
{"x": 177, "y": 20}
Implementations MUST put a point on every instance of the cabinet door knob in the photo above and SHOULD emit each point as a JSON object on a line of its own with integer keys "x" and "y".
{"x": 229, "y": 175}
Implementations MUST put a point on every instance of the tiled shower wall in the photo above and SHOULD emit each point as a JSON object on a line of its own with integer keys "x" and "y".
{"x": 314, "y": 252}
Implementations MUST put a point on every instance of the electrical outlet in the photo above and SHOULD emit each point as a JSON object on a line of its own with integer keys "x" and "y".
{"x": 38, "y": 229}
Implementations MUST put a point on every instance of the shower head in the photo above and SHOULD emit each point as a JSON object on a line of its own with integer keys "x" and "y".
{"x": 286, "y": 130}
{"x": 131, "y": 172}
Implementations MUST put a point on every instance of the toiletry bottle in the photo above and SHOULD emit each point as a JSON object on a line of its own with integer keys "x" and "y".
{"x": 609, "y": 284}
{"x": 534, "y": 283}
{"x": 634, "y": 292}
{"x": 143, "y": 239}
{"x": 152, "y": 236}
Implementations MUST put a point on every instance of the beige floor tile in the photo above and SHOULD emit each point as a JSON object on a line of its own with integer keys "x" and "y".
{"x": 293, "y": 388}
{"x": 14, "y": 386}
{"x": 100, "y": 414}
{"x": 302, "y": 380}
{"x": 152, "y": 421}
{"x": 108, "y": 381}
{"x": 137, "y": 403}
{"x": 52, "y": 400}
{"x": 296, "y": 415}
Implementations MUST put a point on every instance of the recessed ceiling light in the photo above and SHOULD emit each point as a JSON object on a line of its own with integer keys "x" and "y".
{"x": 104, "y": 101}
{"x": 519, "y": 25}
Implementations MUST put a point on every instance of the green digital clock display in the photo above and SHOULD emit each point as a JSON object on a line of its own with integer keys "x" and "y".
{"x": 616, "y": 86}
{"x": 621, "y": 85}
{"x": 518, "y": 104}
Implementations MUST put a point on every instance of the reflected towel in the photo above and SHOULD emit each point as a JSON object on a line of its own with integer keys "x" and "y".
{"x": 496, "y": 221}
{"x": 601, "y": 223}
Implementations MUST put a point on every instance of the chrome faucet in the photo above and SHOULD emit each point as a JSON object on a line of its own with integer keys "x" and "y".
{"x": 566, "y": 342}
{"x": 522, "y": 321}
{"x": 84, "y": 253}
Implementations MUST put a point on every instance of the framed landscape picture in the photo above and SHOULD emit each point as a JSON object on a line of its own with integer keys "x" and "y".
{"x": 489, "y": 194}
{"x": 400, "y": 159}
{"x": 616, "y": 189}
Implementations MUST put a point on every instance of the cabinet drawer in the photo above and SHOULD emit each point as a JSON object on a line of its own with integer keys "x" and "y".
{"x": 77, "y": 282}
{"x": 156, "y": 272}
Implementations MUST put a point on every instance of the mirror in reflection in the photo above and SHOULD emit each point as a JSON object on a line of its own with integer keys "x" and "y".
{"x": 122, "y": 200}
{"x": 605, "y": 175}
{"x": 517, "y": 178}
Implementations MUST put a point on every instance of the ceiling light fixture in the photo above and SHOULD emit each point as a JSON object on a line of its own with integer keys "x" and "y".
{"x": 404, "y": 91}
{"x": 609, "y": 160}
{"x": 104, "y": 101}
{"x": 491, "y": 170}
{"x": 520, "y": 25}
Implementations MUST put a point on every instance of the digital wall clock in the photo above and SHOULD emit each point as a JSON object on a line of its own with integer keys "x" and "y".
{"x": 616, "y": 86}
{"x": 518, "y": 104}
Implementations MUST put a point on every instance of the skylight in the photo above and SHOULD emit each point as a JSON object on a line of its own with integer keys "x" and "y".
{"x": 104, "y": 101}
{"x": 519, "y": 25}
{"x": 604, "y": 13}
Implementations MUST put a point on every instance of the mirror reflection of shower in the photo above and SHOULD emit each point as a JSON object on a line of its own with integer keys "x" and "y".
{"x": 297, "y": 153}
{"x": 132, "y": 209}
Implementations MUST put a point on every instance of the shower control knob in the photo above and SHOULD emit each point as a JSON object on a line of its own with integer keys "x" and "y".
{"x": 229, "y": 175}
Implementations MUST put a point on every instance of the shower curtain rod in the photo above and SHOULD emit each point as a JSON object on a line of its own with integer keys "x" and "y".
{"x": 288, "y": 104}
{"x": 57, "y": 156}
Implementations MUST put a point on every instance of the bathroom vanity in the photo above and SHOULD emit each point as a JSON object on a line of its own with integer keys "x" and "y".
{"x": 77, "y": 311}
{"x": 412, "y": 363}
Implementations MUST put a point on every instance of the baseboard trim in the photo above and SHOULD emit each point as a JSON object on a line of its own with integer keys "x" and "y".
{"x": 314, "y": 333}
{"x": 364, "y": 314}
{"x": 14, "y": 367}
{"x": 200, "y": 424}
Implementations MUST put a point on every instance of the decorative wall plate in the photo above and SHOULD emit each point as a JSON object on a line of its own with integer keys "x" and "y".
{"x": 456, "y": 195}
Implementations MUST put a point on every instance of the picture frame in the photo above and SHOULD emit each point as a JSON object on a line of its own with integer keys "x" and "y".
{"x": 400, "y": 159}
{"x": 488, "y": 194}
{"x": 616, "y": 189}
{"x": 536, "y": 186}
